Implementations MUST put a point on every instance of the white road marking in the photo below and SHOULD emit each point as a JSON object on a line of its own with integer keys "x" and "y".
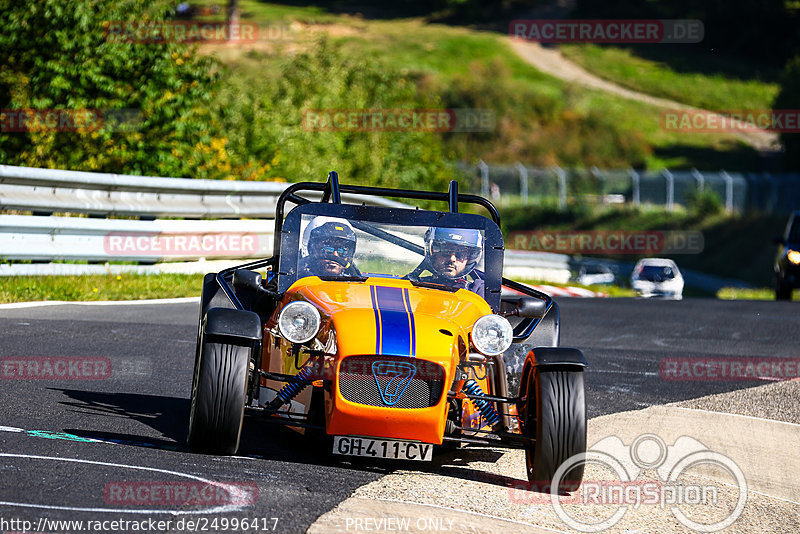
{"x": 15, "y": 305}
{"x": 236, "y": 493}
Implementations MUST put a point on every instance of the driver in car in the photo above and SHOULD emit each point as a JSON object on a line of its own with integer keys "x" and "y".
{"x": 329, "y": 249}
{"x": 451, "y": 255}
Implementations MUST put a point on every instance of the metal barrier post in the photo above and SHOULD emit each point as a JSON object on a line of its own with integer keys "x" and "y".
{"x": 562, "y": 187}
{"x": 701, "y": 180}
{"x": 635, "y": 183}
{"x": 484, "y": 178}
{"x": 670, "y": 189}
{"x": 728, "y": 191}
{"x": 523, "y": 182}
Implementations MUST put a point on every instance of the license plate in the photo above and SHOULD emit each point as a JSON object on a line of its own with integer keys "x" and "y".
{"x": 382, "y": 448}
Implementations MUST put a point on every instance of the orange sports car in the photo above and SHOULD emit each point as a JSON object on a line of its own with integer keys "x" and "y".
{"x": 386, "y": 332}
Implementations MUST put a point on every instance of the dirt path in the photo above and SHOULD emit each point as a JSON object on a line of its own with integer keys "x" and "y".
{"x": 552, "y": 61}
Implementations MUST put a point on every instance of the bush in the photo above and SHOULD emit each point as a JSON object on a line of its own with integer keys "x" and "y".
{"x": 703, "y": 203}
{"x": 54, "y": 55}
{"x": 264, "y": 119}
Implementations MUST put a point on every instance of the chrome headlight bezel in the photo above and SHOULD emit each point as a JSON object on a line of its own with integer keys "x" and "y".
{"x": 292, "y": 311}
{"x": 492, "y": 335}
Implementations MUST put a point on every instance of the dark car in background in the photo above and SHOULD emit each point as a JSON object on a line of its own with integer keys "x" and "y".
{"x": 787, "y": 262}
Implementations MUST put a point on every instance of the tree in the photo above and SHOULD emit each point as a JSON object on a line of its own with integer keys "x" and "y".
{"x": 789, "y": 99}
{"x": 72, "y": 55}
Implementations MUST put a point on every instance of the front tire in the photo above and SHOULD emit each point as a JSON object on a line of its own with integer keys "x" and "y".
{"x": 555, "y": 417}
{"x": 219, "y": 393}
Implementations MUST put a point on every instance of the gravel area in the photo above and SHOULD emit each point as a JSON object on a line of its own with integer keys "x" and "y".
{"x": 492, "y": 482}
{"x": 779, "y": 401}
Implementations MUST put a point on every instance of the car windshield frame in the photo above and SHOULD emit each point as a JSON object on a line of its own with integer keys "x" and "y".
{"x": 369, "y": 219}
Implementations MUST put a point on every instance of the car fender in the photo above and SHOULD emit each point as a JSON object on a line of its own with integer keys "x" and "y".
{"x": 227, "y": 322}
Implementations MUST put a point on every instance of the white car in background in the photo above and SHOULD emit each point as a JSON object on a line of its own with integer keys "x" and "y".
{"x": 595, "y": 274}
{"x": 657, "y": 277}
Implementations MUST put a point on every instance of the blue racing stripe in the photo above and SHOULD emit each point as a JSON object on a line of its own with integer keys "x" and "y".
{"x": 411, "y": 322}
{"x": 377, "y": 320}
{"x": 394, "y": 321}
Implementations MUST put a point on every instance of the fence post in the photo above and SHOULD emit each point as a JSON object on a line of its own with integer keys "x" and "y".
{"x": 635, "y": 179}
{"x": 562, "y": 187}
{"x": 523, "y": 182}
{"x": 728, "y": 191}
{"x": 598, "y": 177}
{"x": 670, "y": 189}
{"x": 484, "y": 178}
{"x": 701, "y": 180}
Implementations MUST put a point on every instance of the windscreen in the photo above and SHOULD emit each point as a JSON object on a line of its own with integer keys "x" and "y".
{"x": 332, "y": 246}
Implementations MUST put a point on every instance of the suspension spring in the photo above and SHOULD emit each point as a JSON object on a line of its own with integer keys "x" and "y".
{"x": 294, "y": 386}
{"x": 484, "y": 407}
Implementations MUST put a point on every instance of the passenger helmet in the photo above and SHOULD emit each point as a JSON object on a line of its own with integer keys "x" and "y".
{"x": 465, "y": 240}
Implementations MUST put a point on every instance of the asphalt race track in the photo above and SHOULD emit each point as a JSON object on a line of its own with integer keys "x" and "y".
{"x": 83, "y": 449}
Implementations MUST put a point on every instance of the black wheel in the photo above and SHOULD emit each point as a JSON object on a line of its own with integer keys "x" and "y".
{"x": 219, "y": 392}
{"x": 554, "y": 414}
{"x": 782, "y": 290}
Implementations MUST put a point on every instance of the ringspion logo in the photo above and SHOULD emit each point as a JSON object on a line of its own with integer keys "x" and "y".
{"x": 698, "y": 503}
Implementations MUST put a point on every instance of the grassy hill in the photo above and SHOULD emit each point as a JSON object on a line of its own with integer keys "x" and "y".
{"x": 540, "y": 120}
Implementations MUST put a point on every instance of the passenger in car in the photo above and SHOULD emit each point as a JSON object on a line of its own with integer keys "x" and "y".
{"x": 451, "y": 255}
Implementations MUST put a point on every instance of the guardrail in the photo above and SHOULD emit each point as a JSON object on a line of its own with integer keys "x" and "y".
{"x": 52, "y": 190}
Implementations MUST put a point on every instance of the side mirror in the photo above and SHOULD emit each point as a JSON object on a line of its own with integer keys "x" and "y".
{"x": 524, "y": 307}
{"x": 246, "y": 279}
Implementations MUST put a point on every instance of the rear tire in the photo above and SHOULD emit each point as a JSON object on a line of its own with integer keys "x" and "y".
{"x": 555, "y": 416}
{"x": 219, "y": 393}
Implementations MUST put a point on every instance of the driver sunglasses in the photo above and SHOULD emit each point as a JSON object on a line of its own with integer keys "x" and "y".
{"x": 461, "y": 253}
{"x": 339, "y": 250}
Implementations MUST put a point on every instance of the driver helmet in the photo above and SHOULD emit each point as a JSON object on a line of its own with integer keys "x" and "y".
{"x": 464, "y": 243}
{"x": 327, "y": 238}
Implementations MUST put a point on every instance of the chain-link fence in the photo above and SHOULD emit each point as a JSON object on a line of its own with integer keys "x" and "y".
{"x": 522, "y": 184}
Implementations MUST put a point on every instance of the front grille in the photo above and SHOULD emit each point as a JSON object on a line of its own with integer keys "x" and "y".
{"x": 360, "y": 378}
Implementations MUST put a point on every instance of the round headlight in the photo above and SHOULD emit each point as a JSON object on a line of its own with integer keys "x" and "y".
{"x": 492, "y": 334}
{"x": 794, "y": 256}
{"x": 298, "y": 321}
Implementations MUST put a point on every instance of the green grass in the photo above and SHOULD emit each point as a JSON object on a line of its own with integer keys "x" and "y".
{"x": 541, "y": 120}
{"x": 717, "y": 92}
{"x": 737, "y": 293}
{"x": 99, "y": 287}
